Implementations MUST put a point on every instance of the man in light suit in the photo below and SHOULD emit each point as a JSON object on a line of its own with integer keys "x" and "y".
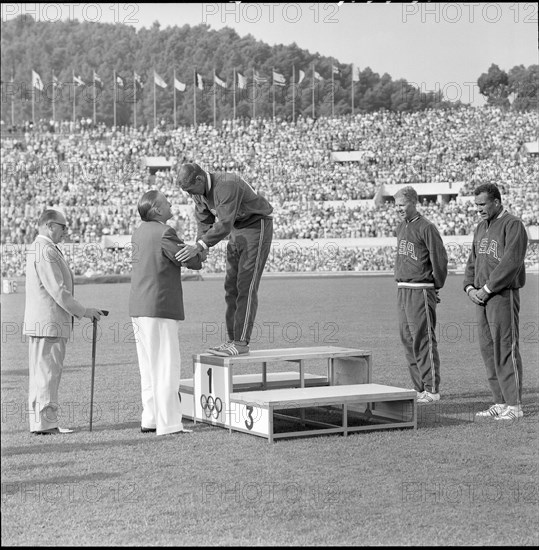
{"x": 156, "y": 309}
{"x": 50, "y": 308}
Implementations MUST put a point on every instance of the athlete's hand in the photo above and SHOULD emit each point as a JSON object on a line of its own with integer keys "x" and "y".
{"x": 482, "y": 295}
{"x": 474, "y": 298}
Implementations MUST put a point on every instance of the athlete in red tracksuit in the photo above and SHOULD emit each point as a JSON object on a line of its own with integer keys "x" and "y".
{"x": 420, "y": 271}
{"x": 225, "y": 204}
{"x": 494, "y": 274}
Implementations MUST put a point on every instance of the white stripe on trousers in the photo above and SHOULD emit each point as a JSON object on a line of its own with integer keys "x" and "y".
{"x": 429, "y": 327}
{"x": 253, "y": 282}
{"x": 514, "y": 344}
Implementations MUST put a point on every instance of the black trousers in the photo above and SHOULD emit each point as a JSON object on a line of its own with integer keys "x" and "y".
{"x": 246, "y": 254}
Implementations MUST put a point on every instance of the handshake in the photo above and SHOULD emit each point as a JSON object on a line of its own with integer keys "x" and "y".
{"x": 191, "y": 256}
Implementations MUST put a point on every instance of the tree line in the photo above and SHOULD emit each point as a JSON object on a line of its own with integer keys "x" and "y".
{"x": 119, "y": 54}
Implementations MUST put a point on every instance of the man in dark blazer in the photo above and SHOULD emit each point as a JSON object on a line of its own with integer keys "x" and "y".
{"x": 227, "y": 206}
{"x": 156, "y": 309}
{"x": 49, "y": 311}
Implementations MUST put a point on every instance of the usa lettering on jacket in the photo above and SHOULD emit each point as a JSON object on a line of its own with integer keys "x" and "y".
{"x": 488, "y": 248}
{"x": 407, "y": 248}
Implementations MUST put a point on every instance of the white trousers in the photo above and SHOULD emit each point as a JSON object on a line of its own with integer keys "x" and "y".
{"x": 158, "y": 351}
{"x": 46, "y": 360}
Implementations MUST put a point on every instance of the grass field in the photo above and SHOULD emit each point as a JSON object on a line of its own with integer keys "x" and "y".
{"x": 453, "y": 481}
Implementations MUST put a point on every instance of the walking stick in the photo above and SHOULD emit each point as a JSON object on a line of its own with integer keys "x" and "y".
{"x": 94, "y": 338}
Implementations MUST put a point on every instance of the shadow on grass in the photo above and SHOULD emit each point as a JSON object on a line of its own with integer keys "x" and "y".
{"x": 27, "y": 467}
{"x": 67, "y": 368}
{"x": 199, "y": 426}
{"x": 452, "y": 413}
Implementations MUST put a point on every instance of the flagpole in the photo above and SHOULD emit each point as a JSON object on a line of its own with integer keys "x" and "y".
{"x": 53, "y": 98}
{"x": 273, "y": 86}
{"x": 313, "y": 91}
{"x": 94, "y": 97}
{"x": 12, "y": 101}
{"x": 135, "y": 98}
{"x": 33, "y": 99}
{"x": 353, "y": 89}
{"x": 154, "y": 104}
{"x": 74, "y": 96}
{"x": 332, "y": 92}
{"x": 214, "y": 94}
{"x": 234, "y": 97}
{"x": 195, "y": 98}
{"x": 114, "y": 95}
{"x": 254, "y": 97}
{"x": 174, "y": 92}
{"x": 294, "y": 93}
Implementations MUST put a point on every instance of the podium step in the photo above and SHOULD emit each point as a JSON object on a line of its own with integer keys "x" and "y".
{"x": 273, "y": 380}
{"x": 360, "y": 407}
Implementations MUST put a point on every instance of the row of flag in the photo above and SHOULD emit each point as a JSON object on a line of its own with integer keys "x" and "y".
{"x": 278, "y": 79}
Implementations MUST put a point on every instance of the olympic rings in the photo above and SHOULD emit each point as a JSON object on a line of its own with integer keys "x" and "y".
{"x": 210, "y": 406}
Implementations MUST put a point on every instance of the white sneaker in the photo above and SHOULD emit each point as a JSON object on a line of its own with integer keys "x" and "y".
{"x": 220, "y": 347}
{"x": 428, "y": 397}
{"x": 419, "y": 394}
{"x": 492, "y": 411}
{"x": 512, "y": 412}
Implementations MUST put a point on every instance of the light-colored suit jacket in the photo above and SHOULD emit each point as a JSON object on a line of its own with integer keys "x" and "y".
{"x": 50, "y": 305}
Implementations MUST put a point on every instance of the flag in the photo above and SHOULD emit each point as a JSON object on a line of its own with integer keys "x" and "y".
{"x": 218, "y": 81}
{"x": 138, "y": 79}
{"x": 180, "y": 86}
{"x": 200, "y": 82}
{"x": 317, "y": 76}
{"x": 56, "y": 82}
{"x": 355, "y": 73}
{"x": 336, "y": 71}
{"x": 158, "y": 80}
{"x": 242, "y": 81}
{"x": 278, "y": 79}
{"x": 97, "y": 79}
{"x": 301, "y": 76}
{"x": 77, "y": 80}
{"x": 119, "y": 81}
{"x": 36, "y": 81}
{"x": 259, "y": 79}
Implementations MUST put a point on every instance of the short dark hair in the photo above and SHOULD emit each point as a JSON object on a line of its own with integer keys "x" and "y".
{"x": 490, "y": 189}
{"x": 146, "y": 205}
{"x": 188, "y": 173}
{"x": 48, "y": 215}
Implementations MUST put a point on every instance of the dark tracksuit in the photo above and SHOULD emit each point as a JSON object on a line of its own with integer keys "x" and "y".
{"x": 232, "y": 207}
{"x": 496, "y": 261}
{"x": 420, "y": 270}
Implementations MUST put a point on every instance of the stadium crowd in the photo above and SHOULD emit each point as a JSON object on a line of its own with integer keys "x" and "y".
{"x": 96, "y": 174}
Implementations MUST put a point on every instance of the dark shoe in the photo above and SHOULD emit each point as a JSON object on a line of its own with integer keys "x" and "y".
{"x": 147, "y": 430}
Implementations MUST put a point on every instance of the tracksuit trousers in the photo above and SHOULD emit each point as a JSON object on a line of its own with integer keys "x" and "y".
{"x": 246, "y": 254}
{"x": 498, "y": 340}
{"x": 417, "y": 325}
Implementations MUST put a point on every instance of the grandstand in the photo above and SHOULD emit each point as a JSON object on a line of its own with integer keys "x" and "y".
{"x": 321, "y": 195}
